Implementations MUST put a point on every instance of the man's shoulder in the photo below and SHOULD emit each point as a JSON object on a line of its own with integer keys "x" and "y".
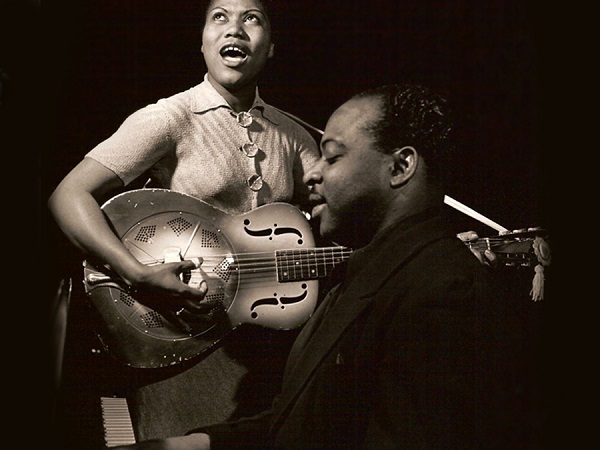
{"x": 441, "y": 261}
{"x": 448, "y": 255}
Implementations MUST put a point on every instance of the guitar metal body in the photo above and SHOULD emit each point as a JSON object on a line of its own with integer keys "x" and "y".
{"x": 154, "y": 223}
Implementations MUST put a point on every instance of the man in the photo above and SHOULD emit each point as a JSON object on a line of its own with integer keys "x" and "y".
{"x": 414, "y": 347}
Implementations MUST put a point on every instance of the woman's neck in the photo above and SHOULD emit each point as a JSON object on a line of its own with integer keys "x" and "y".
{"x": 240, "y": 99}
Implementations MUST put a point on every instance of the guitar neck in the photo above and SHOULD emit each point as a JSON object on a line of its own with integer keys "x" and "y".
{"x": 514, "y": 249}
{"x": 315, "y": 263}
{"x": 309, "y": 264}
{"x": 516, "y": 259}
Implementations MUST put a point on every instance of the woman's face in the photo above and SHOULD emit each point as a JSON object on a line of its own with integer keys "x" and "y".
{"x": 236, "y": 42}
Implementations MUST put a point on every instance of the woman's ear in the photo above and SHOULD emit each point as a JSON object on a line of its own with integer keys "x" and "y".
{"x": 271, "y": 51}
{"x": 405, "y": 162}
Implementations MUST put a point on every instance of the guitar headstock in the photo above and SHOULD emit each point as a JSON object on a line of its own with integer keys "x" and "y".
{"x": 524, "y": 247}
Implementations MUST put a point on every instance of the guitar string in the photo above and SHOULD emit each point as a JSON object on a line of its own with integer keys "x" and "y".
{"x": 295, "y": 260}
{"x": 496, "y": 242}
{"x": 258, "y": 267}
{"x": 270, "y": 270}
{"x": 321, "y": 257}
{"x": 261, "y": 265}
{"x": 272, "y": 267}
{"x": 294, "y": 265}
{"x": 322, "y": 253}
{"x": 307, "y": 260}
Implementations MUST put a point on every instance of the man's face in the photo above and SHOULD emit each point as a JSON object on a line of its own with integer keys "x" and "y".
{"x": 350, "y": 183}
{"x": 236, "y": 42}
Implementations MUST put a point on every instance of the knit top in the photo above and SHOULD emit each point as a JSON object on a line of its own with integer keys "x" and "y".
{"x": 193, "y": 142}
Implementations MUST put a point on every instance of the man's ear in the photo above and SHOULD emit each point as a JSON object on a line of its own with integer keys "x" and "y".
{"x": 405, "y": 162}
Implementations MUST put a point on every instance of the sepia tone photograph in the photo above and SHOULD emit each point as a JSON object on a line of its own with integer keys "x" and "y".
{"x": 288, "y": 224}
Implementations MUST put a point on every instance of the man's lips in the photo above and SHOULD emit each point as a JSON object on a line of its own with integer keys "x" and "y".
{"x": 318, "y": 203}
{"x": 318, "y": 209}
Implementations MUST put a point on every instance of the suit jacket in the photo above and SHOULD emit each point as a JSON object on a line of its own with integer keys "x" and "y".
{"x": 415, "y": 350}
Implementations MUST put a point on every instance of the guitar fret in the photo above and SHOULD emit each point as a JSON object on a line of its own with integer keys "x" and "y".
{"x": 307, "y": 264}
{"x": 282, "y": 265}
{"x": 330, "y": 262}
{"x": 304, "y": 269}
{"x": 294, "y": 264}
{"x": 315, "y": 268}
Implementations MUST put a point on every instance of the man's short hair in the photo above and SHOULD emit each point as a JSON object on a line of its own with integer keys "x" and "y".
{"x": 413, "y": 115}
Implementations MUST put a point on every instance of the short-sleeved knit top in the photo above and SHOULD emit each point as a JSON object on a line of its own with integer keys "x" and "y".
{"x": 192, "y": 142}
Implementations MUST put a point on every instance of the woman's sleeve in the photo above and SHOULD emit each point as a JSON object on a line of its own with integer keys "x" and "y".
{"x": 141, "y": 140}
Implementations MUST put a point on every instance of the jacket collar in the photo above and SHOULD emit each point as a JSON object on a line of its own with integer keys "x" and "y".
{"x": 390, "y": 248}
{"x": 367, "y": 271}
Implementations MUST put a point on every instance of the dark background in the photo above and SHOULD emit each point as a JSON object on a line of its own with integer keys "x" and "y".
{"x": 111, "y": 57}
{"x": 106, "y": 59}
{"x": 72, "y": 71}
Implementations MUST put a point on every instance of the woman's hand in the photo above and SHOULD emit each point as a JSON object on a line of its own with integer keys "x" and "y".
{"x": 177, "y": 291}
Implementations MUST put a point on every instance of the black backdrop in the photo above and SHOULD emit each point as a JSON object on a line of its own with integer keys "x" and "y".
{"x": 109, "y": 58}
{"x": 72, "y": 71}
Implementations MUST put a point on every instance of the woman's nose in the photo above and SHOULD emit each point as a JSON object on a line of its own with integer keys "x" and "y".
{"x": 235, "y": 28}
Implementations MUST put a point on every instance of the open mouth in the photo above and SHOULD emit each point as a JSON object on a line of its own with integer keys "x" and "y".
{"x": 233, "y": 53}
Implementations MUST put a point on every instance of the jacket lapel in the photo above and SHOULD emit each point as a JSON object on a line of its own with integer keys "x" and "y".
{"x": 367, "y": 271}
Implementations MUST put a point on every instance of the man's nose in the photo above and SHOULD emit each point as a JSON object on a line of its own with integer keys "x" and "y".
{"x": 313, "y": 175}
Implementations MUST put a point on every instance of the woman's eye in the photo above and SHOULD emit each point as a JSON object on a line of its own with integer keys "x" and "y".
{"x": 218, "y": 16}
{"x": 332, "y": 159}
{"x": 251, "y": 18}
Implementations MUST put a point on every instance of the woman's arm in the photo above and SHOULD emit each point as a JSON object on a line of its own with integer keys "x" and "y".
{"x": 75, "y": 205}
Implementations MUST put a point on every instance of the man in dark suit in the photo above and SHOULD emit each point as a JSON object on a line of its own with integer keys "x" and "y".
{"x": 414, "y": 346}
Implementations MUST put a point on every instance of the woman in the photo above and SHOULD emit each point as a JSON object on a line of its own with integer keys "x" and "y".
{"x": 218, "y": 141}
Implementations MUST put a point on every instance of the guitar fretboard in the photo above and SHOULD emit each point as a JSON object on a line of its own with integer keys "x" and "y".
{"x": 515, "y": 249}
{"x": 308, "y": 264}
